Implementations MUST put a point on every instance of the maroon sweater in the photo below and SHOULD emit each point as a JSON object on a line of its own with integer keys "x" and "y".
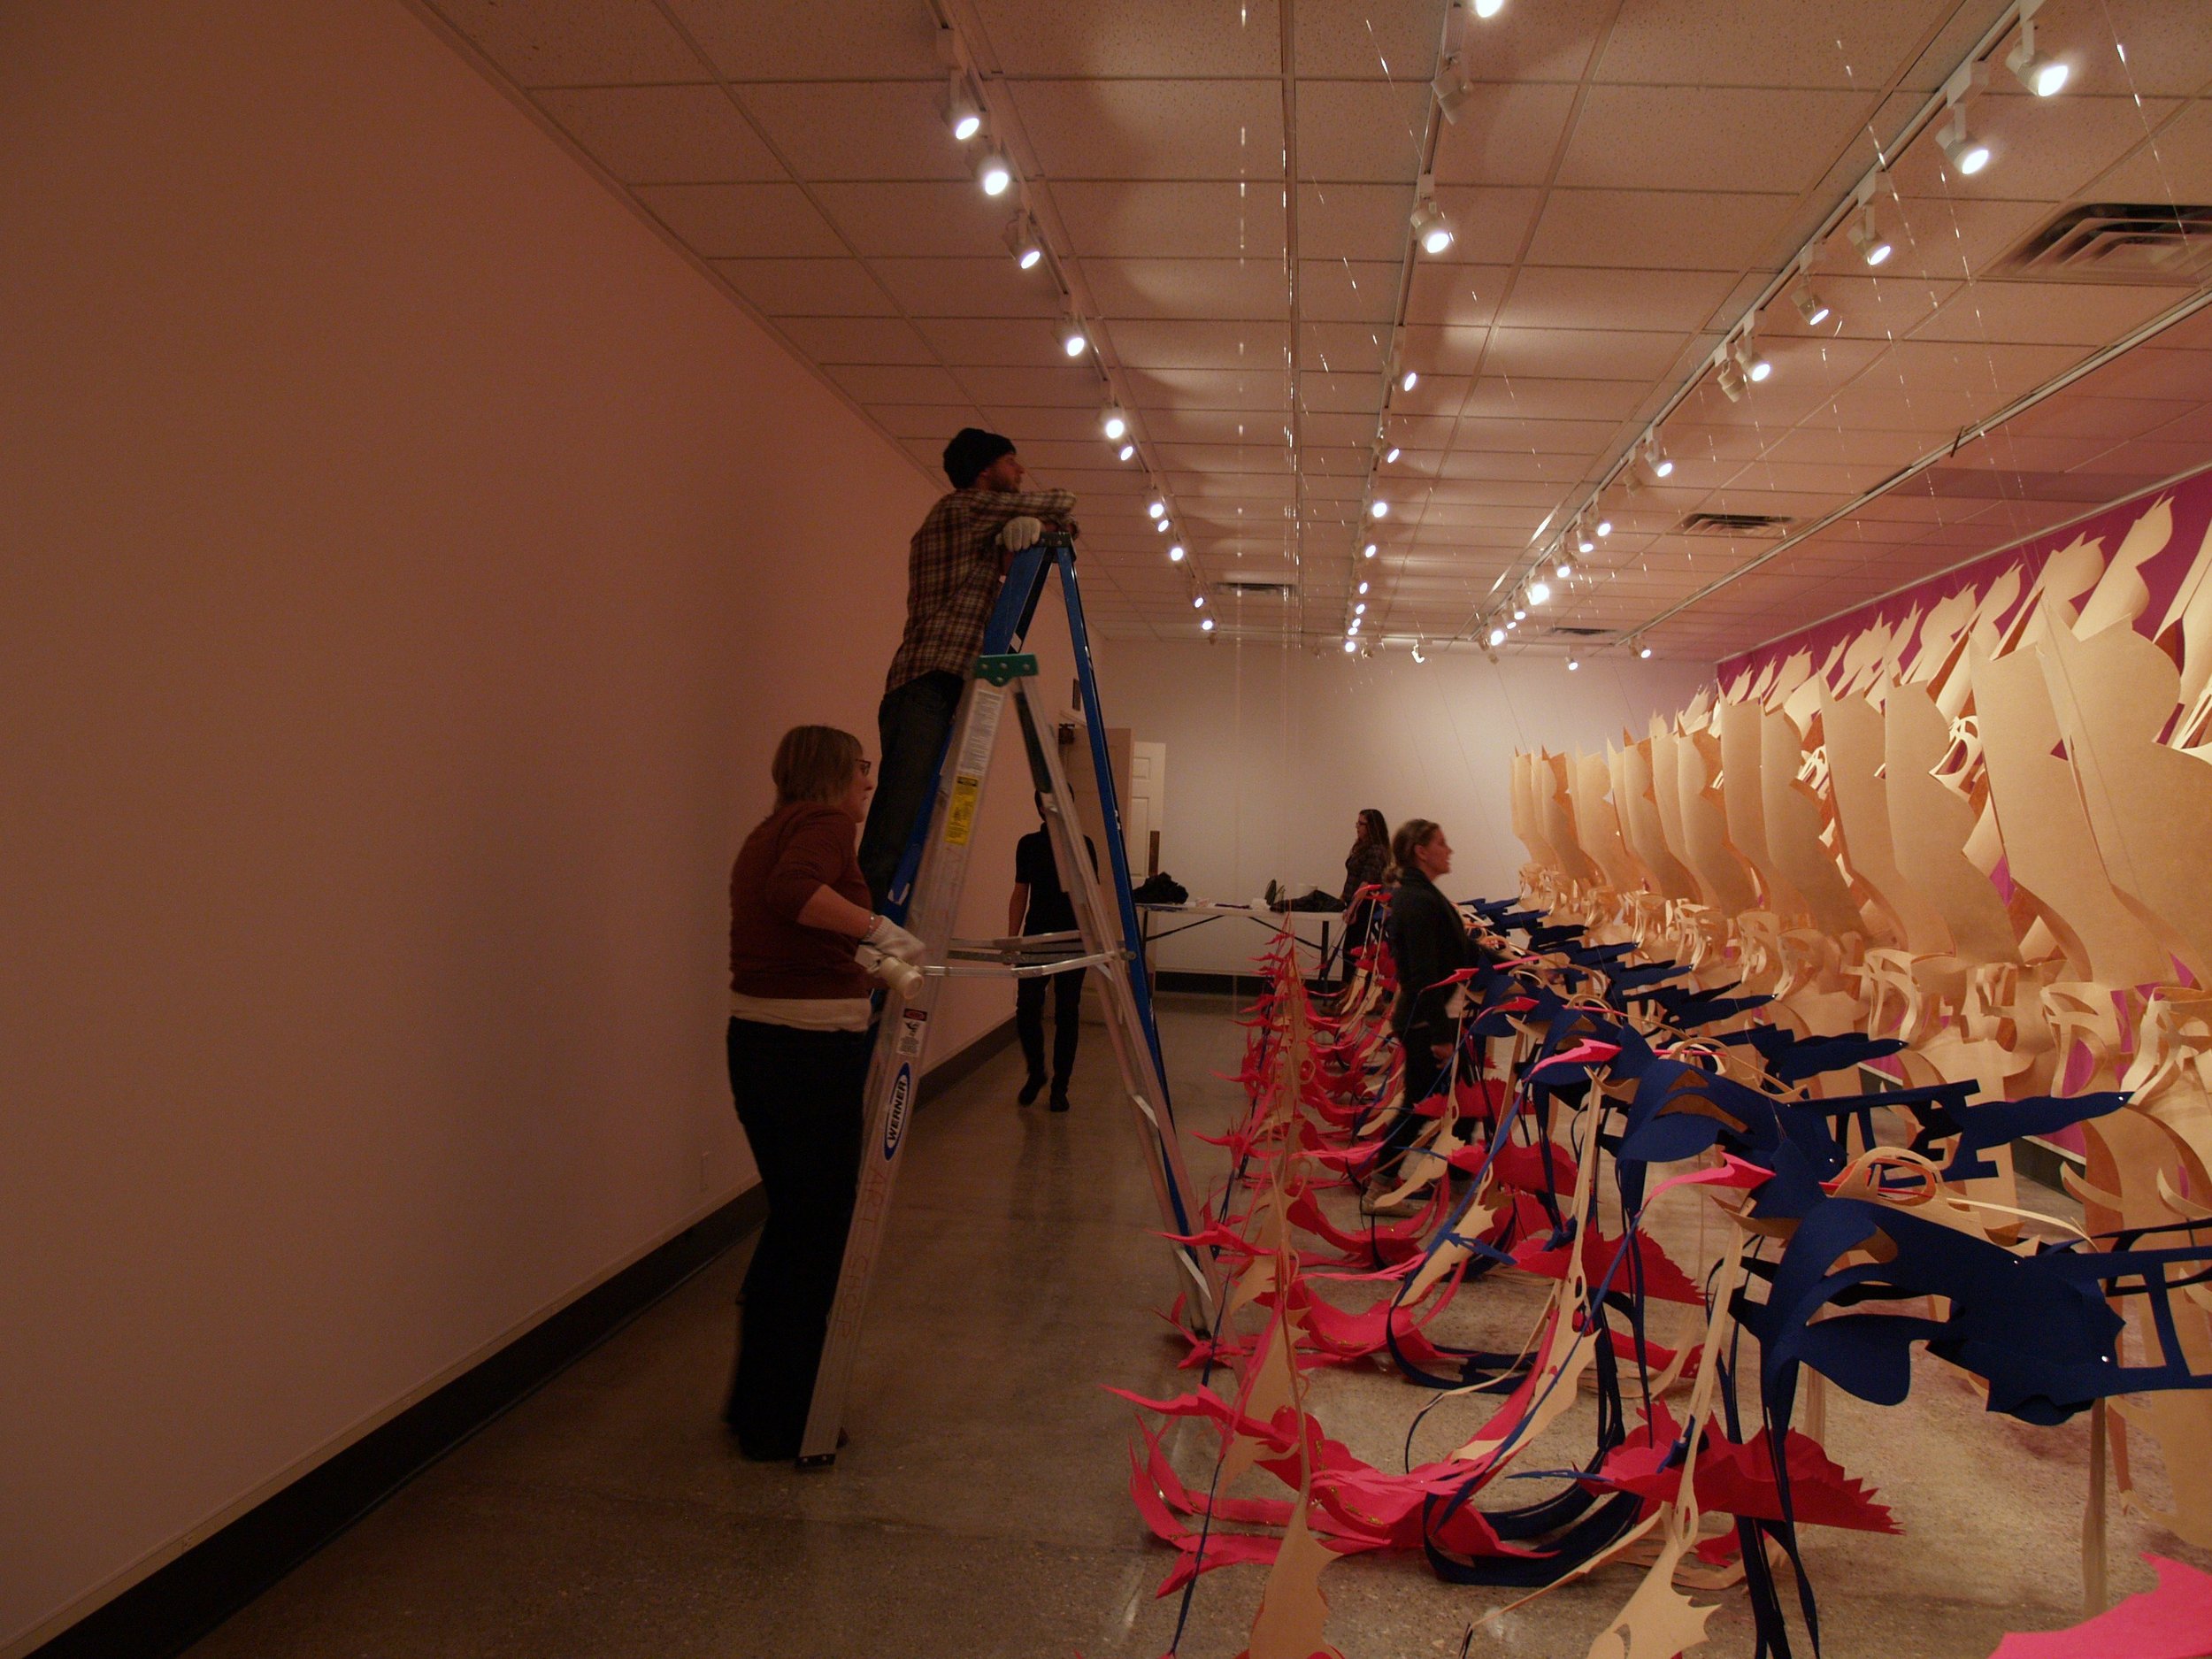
{"x": 797, "y": 849}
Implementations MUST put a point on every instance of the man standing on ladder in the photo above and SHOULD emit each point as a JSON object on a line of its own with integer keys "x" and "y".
{"x": 955, "y": 567}
{"x": 1040, "y": 905}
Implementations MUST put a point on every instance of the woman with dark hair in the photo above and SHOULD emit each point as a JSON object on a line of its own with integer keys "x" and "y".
{"x": 799, "y": 1042}
{"x": 1369, "y": 861}
{"x": 1428, "y": 942}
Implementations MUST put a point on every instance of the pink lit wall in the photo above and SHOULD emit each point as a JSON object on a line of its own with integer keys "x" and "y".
{"x": 410, "y": 562}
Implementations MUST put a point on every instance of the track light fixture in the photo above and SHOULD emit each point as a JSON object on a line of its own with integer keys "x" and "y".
{"x": 1360, "y": 610}
{"x": 1175, "y": 554}
{"x": 1658, "y": 460}
{"x": 1073, "y": 340}
{"x": 1368, "y": 551}
{"x": 1351, "y": 644}
{"x": 1128, "y": 451}
{"x": 1206, "y": 625}
{"x": 1198, "y": 601}
{"x": 1750, "y": 359}
{"x": 1451, "y": 88}
{"x": 1488, "y": 8}
{"x": 1362, "y": 588}
{"x": 962, "y": 113}
{"x": 1729, "y": 380}
{"x": 1810, "y": 306}
{"x": 1605, "y": 525}
{"x": 1538, "y": 592}
{"x": 1417, "y": 652}
{"x": 1866, "y": 237}
{"x": 1497, "y": 634}
{"x": 1394, "y": 454}
{"x": 1969, "y": 155}
{"x": 1431, "y": 228}
{"x": 1157, "y": 508}
{"x": 1562, "y": 570}
{"x": 994, "y": 172}
{"x": 1573, "y": 663}
{"x": 1583, "y": 542}
{"x": 1161, "y": 526}
{"x": 1409, "y": 380}
{"x": 1643, "y": 650}
{"x": 2044, "y": 76}
{"x": 1024, "y": 243}
{"x": 1114, "y": 423}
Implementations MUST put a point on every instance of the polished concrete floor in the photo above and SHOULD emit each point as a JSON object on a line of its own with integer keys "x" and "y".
{"x": 982, "y": 1510}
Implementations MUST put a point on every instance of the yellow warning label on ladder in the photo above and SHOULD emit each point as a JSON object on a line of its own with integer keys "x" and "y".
{"x": 960, "y": 815}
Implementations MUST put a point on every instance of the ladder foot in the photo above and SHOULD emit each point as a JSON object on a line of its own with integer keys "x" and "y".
{"x": 820, "y": 1460}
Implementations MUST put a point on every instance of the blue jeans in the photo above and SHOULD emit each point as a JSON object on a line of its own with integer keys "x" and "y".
{"x": 912, "y": 722}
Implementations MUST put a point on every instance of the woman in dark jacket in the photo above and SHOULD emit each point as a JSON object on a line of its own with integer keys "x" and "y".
{"x": 799, "y": 1045}
{"x": 1428, "y": 942}
{"x": 1369, "y": 861}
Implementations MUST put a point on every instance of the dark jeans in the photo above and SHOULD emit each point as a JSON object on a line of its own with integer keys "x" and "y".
{"x": 1067, "y": 1018}
{"x": 912, "y": 722}
{"x": 798, "y": 1094}
{"x": 1422, "y": 1069}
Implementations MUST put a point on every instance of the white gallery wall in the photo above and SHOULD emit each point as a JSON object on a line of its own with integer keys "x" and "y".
{"x": 1273, "y": 752}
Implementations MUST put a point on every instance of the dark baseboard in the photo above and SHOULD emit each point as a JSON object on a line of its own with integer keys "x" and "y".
{"x": 1241, "y": 986}
{"x": 179, "y": 1603}
{"x": 958, "y": 1064}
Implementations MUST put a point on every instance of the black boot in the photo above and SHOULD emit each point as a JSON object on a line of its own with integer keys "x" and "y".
{"x": 1032, "y": 1089}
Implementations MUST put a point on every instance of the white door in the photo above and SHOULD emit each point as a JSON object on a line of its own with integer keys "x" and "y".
{"x": 1142, "y": 814}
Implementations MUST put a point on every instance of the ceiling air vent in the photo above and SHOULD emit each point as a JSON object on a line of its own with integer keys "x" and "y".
{"x": 1762, "y": 525}
{"x": 1256, "y": 586}
{"x": 2118, "y": 241}
{"x": 1578, "y": 634}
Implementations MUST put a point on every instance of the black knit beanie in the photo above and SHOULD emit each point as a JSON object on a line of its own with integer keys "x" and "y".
{"x": 971, "y": 451}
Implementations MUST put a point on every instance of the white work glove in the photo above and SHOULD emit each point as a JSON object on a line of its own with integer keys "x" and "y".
{"x": 886, "y": 938}
{"x": 1017, "y": 534}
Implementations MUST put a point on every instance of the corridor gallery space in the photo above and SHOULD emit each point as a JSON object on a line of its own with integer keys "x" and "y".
{"x": 1106, "y": 829}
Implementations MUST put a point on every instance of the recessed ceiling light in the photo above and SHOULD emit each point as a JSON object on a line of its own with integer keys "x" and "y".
{"x": 993, "y": 173}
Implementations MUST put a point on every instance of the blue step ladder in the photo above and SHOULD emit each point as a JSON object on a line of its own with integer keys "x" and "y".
{"x": 925, "y": 896}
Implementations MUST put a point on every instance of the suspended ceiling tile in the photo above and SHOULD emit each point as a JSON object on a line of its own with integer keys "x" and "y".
{"x": 2172, "y": 373}
{"x": 1584, "y": 354}
{"x": 1461, "y": 470}
{"x": 1349, "y": 290}
{"x": 1177, "y": 128}
{"x": 1173, "y": 423}
{"x": 575, "y": 42}
{"x": 1567, "y": 297}
{"x": 1354, "y": 221}
{"x": 1171, "y": 220}
{"x": 1077, "y": 387}
{"x": 857, "y": 40}
{"x": 1394, "y": 43}
{"x": 1955, "y": 237}
{"x": 1146, "y": 288}
{"x": 1115, "y": 38}
{"x": 1360, "y": 130}
{"x": 925, "y": 423}
{"x": 912, "y": 218}
{"x": 894, "y": 383}
{"x": 1505, "y": 134}
{"x": 1456, "y": 295}
{"x": 727, "y": 221}
{"x": 1664, "y": 231}
{"x": 996, "y": 342}
{"x": 858, "y": 339}
{"x": 2175, "y": 165}
{"x": 1839, "y": 44}
{"x": 1868, "y": 305}
{"x": 1508, "y": 398}
{"x": 990, "y": 287}
{"x": 2093, "y": 416}
{"x": 1491, "y": 222}
{"x": 1544, "y": 436}
{"x": 1706, "y": 137}
{"x": 838, "y": 130}
{"x": 1342, "y": 348}
{"x": 1254, "y": 347}
{"x": 1447, "y": 351}
{"x": 807, "y": 287}
{"x": 1195, "y": 490}
{"x": 2070, "y": 314}
{"x": 2041, "y": 150}
{"x": 680, "y": 134}
{"x": 1207, "y": 389}
{"x": 1551, "y": 43}
{"x": 1258, "y": 456}
{"x": 2153, "y": 47}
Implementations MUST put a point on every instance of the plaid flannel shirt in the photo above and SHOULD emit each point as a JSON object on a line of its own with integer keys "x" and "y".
{"x": 952, "y": 576}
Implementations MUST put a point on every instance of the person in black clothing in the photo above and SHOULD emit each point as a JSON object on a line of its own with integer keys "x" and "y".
{"x": 1040, "y": 905}
{"x": 1364, "y": 867}
{"x": 1428, "y": 942}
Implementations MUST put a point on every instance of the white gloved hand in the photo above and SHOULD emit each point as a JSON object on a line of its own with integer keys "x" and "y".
{"x": 902, "y": 977}
{"x": 888, "y": 938}
{"x": 1017, "y": 534}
